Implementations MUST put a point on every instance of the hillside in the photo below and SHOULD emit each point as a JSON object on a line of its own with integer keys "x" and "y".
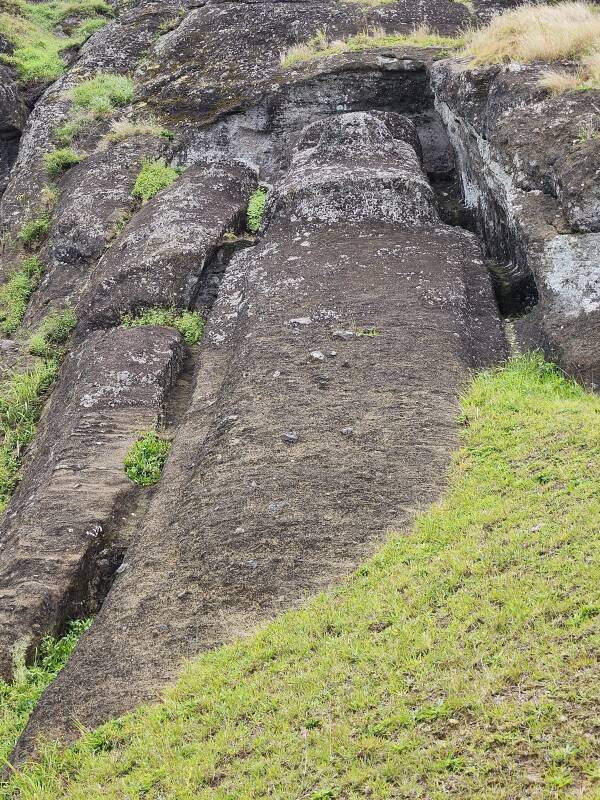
{"x": 266, "y": 266}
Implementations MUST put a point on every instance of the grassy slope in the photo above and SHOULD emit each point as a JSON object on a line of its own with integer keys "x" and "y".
{"x": 35, "y": 31}
{"x": 459, "y": 662}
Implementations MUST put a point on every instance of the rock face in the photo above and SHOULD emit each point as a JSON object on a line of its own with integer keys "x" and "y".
{"x": 159, "y": 257}
{"x": 355, "y": 244}
{"x": 535, "y": 190}
{"x": 319, "y": 411}
{"x": 66, "y": 518}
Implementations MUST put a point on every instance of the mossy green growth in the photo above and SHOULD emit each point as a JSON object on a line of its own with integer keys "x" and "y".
{"x": 36, "y": 32}
{"x": 461, "y": 661}
{"x": 154, "y": 176}
{"x": 145, "y": 460}
{"x": 256, "y": 209}
{"x": 190, "y": 324}
{"x": 21, "y": 401}
{"x": 52, "y": 334}
{"x": 33, "y": 232}
{"x": 15, "y": 293}
{"x": 58, "y": 161}
{"x": 103, "y": 92}
{"x": 18, "y": 698}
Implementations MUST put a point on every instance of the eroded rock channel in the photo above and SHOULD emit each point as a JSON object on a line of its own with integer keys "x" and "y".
{"x": 320, "y": 410}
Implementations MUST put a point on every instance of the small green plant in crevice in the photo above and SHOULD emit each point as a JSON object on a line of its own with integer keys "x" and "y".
{"x": 58, "y": 161}
{"x": 145, "y": 460}
{"x": 372, "y": 333}
{"x": 119, "y": 225}
{"x": 154, "y": 176}
{"x": 33, "y": 232}
{"x": 15, "y": 293}
{"x": 256, "y": 209}
{"x": 19, "y": 697}
{"x": 66, "y": 132}
{"x": 190, "y": 324}
{"x": 52, "y": 334}
{"x": 21, "y": 401}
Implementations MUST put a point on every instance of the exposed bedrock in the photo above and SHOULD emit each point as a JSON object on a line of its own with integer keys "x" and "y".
{"x": 159, "y": 257}
{"x": 94, "y": 206}
{"x": 535, "y": 188}
{"x": 324, "y": 414}
{"x": 13, "y": 115}
{"x": 61, "y": 534}
{"x": 236, "y": 47}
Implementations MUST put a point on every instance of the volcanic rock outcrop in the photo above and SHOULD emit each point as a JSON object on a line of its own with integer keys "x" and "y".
{"x": 408, "y": 195}
{"x": 332, "y": 363}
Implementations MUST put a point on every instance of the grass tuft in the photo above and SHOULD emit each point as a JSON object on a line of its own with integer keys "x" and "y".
{"x": 460, "y": 661}
{"x": 565, "y": 31}
{"x": 190, "y": 324}
{"x": 48, "y": 340}
{"x": 18, "y": 699}
{"x": 94, "y": 98}
{"x": 59, "y": 161}
{"x": 145, "y": 460}
{"x": 256, "y": 209}
{"x": 154, "y": 176}
{"x": 102, "y": 93}
{"x": 15, "y": 294}
{"x": 120, "y": 130}
{"x": 33, "y": 232}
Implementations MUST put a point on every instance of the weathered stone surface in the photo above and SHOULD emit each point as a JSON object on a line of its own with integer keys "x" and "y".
{"x": 287, "y": 469}
{"x": 95, "y": 203}
{"x": 536, "y": 191}
{"x": 13, "y": 115}
{"x": 237, "y": 47}
{"x": 159, "y": 257}
{"x": 59, "y": 530}
{"x": 321, "y": 409}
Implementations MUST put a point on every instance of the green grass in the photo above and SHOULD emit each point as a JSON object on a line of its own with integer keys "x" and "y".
{"x": 22, "y": 398}
{"x": 103, "y": 93}
{"x": 17, "y": 699}
{"x": 145, "y": 460}
{"x": 34, "y": 30}
{"x": 15, "y": 293}
{"x": 94, "y": 98}
{"x": 319, "y": 46}
{"x": 52, "y": 334}
{"x": 33, "y": 232}
{"x": 256, "y": 209}
{"x": 460, "y": 662}
{"x": 58, "y": 161}
{"x": 190, "y": 324}
{"x": 154, "y": 176}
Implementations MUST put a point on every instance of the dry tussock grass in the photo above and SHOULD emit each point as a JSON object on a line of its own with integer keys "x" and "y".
{"x": 565, "y": 31}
